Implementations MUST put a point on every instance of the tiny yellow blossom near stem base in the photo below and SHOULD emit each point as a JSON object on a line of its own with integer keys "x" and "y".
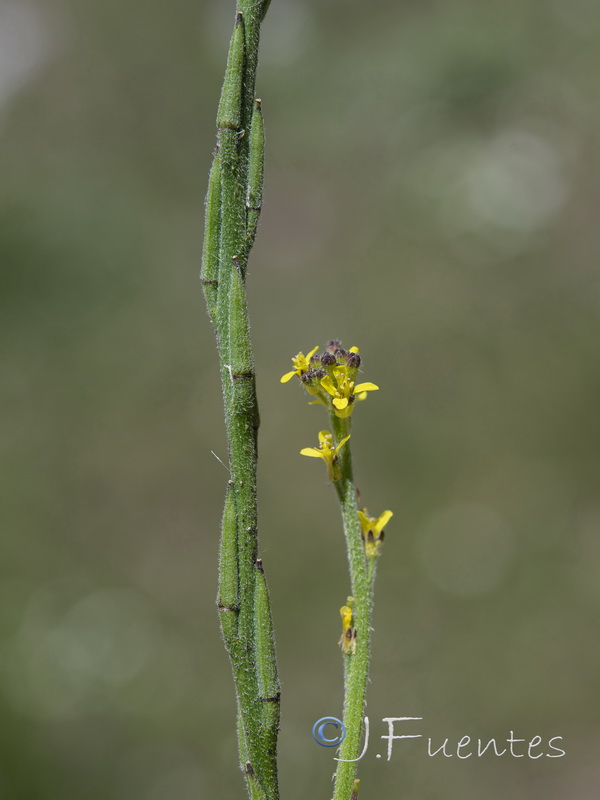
{"x": 327, "y": 452}
{"x": 372, "y": 530}
{"x": 348, "y": 638}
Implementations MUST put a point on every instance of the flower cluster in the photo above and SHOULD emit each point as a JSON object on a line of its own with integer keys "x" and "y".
{"x": 331, "y": 377}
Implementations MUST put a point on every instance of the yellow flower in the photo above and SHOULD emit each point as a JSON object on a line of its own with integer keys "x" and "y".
{"x": 330, "y": 377}
{"x": 348, "y": 638}
{"x": 327, "y": 452}
{"x": 372, "y": 530}
{"x": 301, "y": 364}
{"x": 344, "y": 391}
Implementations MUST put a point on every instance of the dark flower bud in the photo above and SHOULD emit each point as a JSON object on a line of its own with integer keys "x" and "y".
{"x": 314, "y": 360}
{"x": 310, "y": 380}
{"x": 340, "y": 353}
{"x": 353, "y": 360}
{"x": 333, "y": 345}
{"x": 328, "y": 359}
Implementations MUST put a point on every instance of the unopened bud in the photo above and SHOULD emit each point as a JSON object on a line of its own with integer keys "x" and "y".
{"x": 353, "y": 360}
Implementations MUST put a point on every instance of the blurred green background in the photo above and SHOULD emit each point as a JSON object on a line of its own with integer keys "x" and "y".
{"x": 431, "y": 196}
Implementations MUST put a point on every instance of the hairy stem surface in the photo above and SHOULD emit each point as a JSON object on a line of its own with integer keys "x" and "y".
{"x": 232, "y": 208}
{"x": 356, "y": 666}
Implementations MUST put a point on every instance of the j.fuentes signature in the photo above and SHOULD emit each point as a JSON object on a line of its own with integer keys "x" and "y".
{"x": 330, "y": 732}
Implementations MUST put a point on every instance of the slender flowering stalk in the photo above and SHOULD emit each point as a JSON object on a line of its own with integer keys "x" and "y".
{"x": 233, "y": 205}
{"x": 330, "y": 379}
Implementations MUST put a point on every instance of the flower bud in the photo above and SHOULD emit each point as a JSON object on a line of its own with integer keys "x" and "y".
{"x": 311, "y": 380}
{"x": 353, "y": 360}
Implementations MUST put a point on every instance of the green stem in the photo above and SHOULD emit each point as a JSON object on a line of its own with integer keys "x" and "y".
{"x": 235, "y": 176}
{"x": 361, "y": 578}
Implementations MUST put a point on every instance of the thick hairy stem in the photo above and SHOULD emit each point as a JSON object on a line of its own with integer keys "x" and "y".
{"x": 235, "y": 182}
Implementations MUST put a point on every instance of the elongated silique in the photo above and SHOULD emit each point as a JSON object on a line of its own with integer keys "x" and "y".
{"x": 232, "y": 209}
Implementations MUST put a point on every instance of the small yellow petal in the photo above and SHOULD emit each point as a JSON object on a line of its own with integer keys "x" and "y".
{"x": 313, "y": 452}
{"x": 366, "y": 387}
{"x": 341, "y": 444}
{"x": 312, "y": 352}
{"x": 288, "y": 376}
{"x": 365, "y": 522}
{"x": 325, "y": 437}
{"x": 383, "y": 520}
{"x": 346, "y": 615}
{"x": 353, "y": 350}
{"x": 361, "y": 396}
{"x": 327, "y": 384}
{"x": 340, "y": 402}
